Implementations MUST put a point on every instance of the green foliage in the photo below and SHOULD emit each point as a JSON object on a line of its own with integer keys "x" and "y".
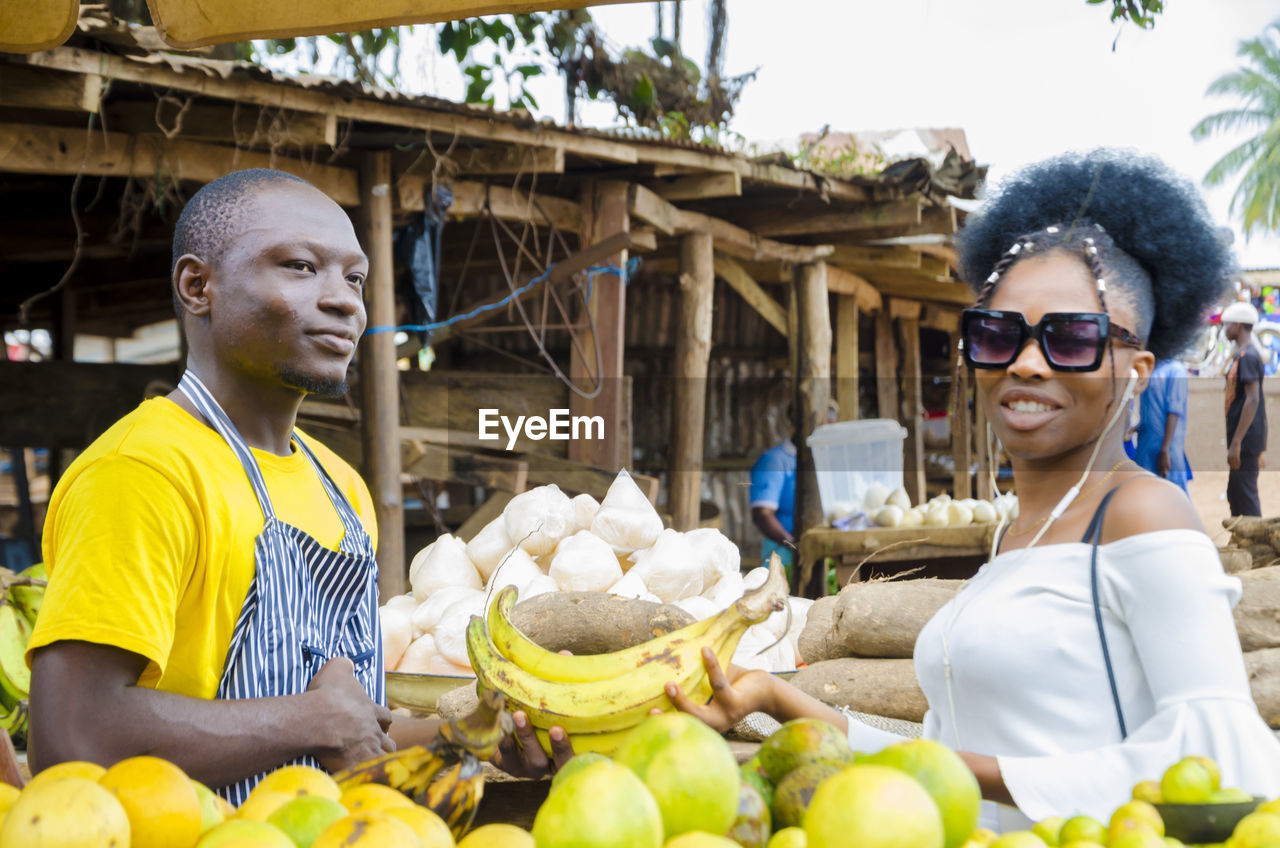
{"x": 371, "y": 57}
{"x": 1140, "y": 12}
{"x": 1257, "y": 159}
{"x": 845, "y": 160}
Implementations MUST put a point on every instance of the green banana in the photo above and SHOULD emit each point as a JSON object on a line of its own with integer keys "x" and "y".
{"x": 16, "y": 720}
{"x": 15, "y": 677}
{"x": 549, "y": 665}
{"x": 620, "y": 702}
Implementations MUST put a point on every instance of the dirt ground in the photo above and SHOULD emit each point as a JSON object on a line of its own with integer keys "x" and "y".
{"x": 1208, "y": 490}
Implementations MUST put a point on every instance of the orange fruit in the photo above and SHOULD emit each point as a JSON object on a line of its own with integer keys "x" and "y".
{"x": 368, "y": 830}
{"x": 261, "y": 803}
{"x": 430, "y": 828}
{"x": 67, "y": 811}
{"x": 368, "y": 797}
{"x": 301, "y": 780}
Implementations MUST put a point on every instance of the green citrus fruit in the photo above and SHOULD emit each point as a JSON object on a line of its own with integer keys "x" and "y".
{"x": 873, "y": 806}
{"x": 803, "y": 741}
{"x": 1186, "y": 782}
{"x": 602, "y": 805}
{"x": 304, "y": 818}
{"x": 1082, "y": 829}
{"x": 945, "y": 777}
{"x": 689, "y": 769}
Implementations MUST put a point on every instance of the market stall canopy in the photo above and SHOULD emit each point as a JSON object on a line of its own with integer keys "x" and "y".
{"x": 27, "y": 27}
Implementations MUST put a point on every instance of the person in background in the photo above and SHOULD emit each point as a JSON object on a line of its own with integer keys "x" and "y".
{"x": 1246, "y": 411}
{"x": 1162, "y": 431}
{"x": 773, "y": 498}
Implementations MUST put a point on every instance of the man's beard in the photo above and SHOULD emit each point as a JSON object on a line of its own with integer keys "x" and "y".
{"x": 311, "y": 384}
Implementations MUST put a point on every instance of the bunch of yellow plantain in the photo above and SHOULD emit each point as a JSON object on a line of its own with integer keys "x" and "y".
{"x": 20, "y": 598}
{"x": 598, "y": 698}
{"x": 447, "y": 775}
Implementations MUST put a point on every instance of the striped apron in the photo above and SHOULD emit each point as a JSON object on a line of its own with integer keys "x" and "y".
{"x": 306, "y": 605}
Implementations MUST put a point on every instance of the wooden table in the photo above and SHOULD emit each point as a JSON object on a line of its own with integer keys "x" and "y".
{"x": 948, "y": 551}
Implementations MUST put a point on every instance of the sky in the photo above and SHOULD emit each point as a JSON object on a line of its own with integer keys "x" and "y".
{"x": 1025, "y": 79}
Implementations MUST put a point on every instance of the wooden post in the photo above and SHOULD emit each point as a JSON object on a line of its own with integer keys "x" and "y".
{"x": 813, "y": 395}
{"x": 986, "y": 460}
{"x": 908, "y": 314}
{"x": 604, "y": 212}
{"x": 64, "y": 350}
{"x": 962, "y": 434}
{"x": 847, "y": 356}
{"x": 886, "y": 366}
{"x": 379, "y": 379}
{"x": 689, "y": 395}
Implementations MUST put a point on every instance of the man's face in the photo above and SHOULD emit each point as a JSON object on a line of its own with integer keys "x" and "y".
{"x": 286, "y": 298}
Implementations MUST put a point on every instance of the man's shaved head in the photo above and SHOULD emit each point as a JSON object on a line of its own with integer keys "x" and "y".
{"x": 216, "y": 214}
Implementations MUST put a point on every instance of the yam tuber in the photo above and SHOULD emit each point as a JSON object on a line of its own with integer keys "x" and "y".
{"x": 880, "y": 618}
{"x": 879, "y": 687}
{"x": 593, "y": 622}
{"x": 1264, "y": 683}
{"x": 1257, "y": 616}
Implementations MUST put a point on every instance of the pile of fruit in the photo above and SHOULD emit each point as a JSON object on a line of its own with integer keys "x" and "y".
{"x": 21, "y": 595}
{"x": 546, "y": 542}
{"x": 894, "y": 509}
{"x": 147, "y": 802}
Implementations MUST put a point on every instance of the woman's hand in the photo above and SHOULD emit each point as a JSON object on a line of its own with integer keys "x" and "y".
{"x": 733, "y": 695}
{"x": 521, "y": 754}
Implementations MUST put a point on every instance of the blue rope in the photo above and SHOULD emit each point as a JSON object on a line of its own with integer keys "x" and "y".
{"x": 633, "y": 264}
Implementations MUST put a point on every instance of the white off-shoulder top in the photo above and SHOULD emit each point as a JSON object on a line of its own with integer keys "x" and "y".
{"x": 1028, "y": 684}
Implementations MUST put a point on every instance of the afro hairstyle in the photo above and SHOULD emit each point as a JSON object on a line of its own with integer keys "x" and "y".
{"x": 1151, "y": 214}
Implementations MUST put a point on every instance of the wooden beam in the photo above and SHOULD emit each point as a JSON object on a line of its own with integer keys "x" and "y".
{"x": 741, "y": 282}
{"x": 813, "y": 396}
{"x": 689, "y": 393}
{"x": 379, "y": 379}
{"x": 847, "y": 356}
{"x": 699, "y": 187}
{"x": 652, "y": 209}
{"x": 246, "y": 126}
{"x": 913, "y": 479}
{"x": 931, "y": 289}
{"x": 668, "y": 161}
{"x": 29, "y": 88}
{"x": 469, "y": 467}
{"x": 604, "y": 212}
{"x": 30, "y": 149}
{"x": 286, "y": 96}
{"x": 732, "y": 239}
{"x": 862, "y": 257}
{"x": 560, "y": 272}
{"x": 845, "y": 282}
{"x": 941, "y": 251}
{"x": 934, "y": 220}
{"x": 902, "y": 213}
{"x": 886, "y": 367}
{"x": 987, "y": 464}
{"x": 937, "y": 317}
{"x": 486, "y": 161}
{"x": 902, "y": 308}
{"x": 471, "y": 199}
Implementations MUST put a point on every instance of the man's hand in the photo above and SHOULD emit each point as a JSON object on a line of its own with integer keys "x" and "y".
{"x": 1163, "y": 463}
{"x": 733, "y": 695}
{"x": 521, "y": 754}
{"x": 353, "y": 725}
{"x": 1233, "y": 457}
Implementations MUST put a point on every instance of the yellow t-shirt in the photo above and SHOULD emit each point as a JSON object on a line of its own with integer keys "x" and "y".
{"x": 149, "y": 541}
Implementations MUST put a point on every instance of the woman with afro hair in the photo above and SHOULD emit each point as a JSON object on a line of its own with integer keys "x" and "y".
{"x": 1097, "y": 646}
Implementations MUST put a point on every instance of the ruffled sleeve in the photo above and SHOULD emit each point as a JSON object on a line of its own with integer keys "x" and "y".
{"x": 1169, "y": 590}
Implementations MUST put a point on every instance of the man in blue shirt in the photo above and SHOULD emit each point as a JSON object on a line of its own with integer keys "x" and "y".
{"x": 1162, "y": 431}
{"x": 773, "y": 500}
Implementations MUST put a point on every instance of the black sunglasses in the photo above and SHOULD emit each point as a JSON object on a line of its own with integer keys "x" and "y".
{"x": 1070, "y": 341}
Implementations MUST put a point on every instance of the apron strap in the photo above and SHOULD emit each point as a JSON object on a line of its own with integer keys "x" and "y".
{"x": 1093, "y": 536}
{"x": 203, "y": 400}
{"x": 351, "y": 523}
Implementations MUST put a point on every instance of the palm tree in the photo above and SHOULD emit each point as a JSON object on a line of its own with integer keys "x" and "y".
{"x": 1257, "y": 84}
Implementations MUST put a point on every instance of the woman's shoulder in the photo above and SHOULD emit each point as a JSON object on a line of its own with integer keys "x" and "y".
{"x": 1149, "y": 504}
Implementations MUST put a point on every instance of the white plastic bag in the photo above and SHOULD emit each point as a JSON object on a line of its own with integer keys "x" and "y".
{"x": 669, "y": 568}
{"x": 755, "y": 578}
{"x": 397, "y": 633}
{"x": 451, "y": 633}
{"x": 489, "y": 546}
{"x": 516, "y": 569}
{"x": 442, "y": 563}
{"x": 727, "y": 590}
{"x": 428, "y": 613}
{"x": 626, "y": 519}
{"x": 585, "y": 508}
{"x": 538, "y": 519}
{"x": 584, "y": 563}
{"x": 697, "y": 606}
{"x": 717, "y": 553}
{"x": 405, "y": 603}
{"x": 540, "y": 585}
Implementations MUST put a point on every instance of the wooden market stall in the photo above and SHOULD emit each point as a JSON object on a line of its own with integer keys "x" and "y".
{"x": 836, "y": 280}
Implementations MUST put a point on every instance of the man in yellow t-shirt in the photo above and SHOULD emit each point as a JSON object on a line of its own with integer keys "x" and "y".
{"x": 213, "y": 591}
